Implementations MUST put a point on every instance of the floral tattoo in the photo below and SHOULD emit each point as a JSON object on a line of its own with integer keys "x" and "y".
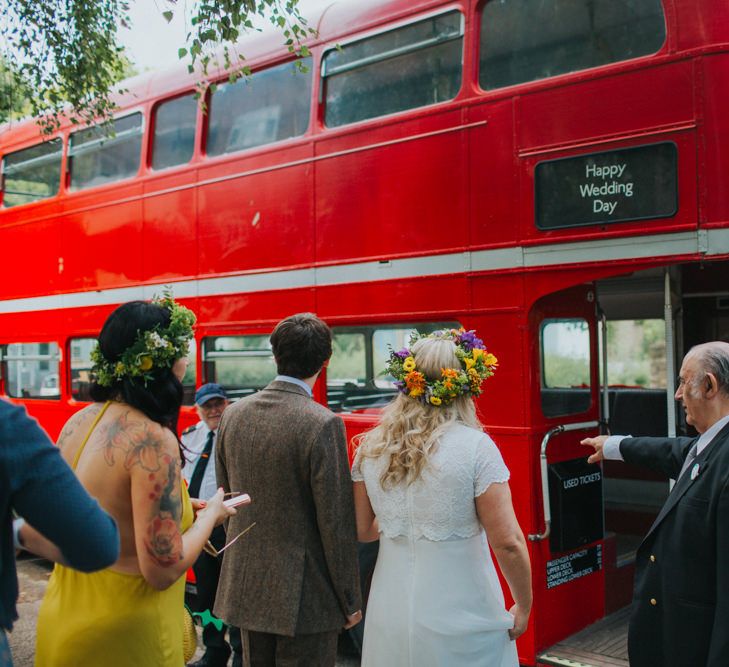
{"x": 75, "y": 421}
{"x": 164, "y": 540}
{"x": 140, "y": 445}
{"x": 136, "y": 441}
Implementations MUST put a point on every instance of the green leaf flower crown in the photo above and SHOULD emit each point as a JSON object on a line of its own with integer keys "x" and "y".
{"x": 477, "y": 365}
{"x": 156, "y": 348}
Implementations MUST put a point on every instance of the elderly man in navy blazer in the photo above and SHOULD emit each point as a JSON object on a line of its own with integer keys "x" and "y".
{"x": 680, "y": 615}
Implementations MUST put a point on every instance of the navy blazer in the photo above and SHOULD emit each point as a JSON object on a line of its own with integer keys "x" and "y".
{"x": 680, "y": 613}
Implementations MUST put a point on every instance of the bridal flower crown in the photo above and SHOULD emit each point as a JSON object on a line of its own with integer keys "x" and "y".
{"x": 476, "y": 365}
{"x": 156, "y": 348}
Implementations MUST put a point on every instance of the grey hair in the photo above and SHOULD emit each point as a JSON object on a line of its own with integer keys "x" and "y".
{"x": 714, "y": 358}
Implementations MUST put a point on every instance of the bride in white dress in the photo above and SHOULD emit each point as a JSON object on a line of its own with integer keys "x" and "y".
{"x": 432, "y": 486}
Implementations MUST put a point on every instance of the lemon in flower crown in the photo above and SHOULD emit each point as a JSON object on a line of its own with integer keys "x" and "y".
{"x": 159, "y": 347}
{"x": 477, "y": 364}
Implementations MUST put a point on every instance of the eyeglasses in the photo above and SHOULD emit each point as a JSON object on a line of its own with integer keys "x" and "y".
{"x": 212, "y": 551}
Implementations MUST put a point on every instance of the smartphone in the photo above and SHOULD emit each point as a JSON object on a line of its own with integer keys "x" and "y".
{"x": 242, "y": 499}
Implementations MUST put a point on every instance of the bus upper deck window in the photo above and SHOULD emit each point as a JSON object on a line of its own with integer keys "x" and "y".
{"x": 412, "y": 66}
{"x": 526, "y": 40}
{"x": 32, "y": 174}
{"x": 104, "y": 154}
{"x": 271, "y": 105}
{"x": 565, "y": 366}
{"x": 174, "y": 132}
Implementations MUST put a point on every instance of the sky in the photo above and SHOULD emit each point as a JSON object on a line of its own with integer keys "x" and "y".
{"x": 152, "y": 42}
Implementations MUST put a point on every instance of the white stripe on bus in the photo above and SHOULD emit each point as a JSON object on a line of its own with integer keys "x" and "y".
{"x": 695, "y": 243}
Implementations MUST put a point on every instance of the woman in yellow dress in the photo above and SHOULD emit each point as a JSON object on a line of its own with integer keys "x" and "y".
{"x": 125, "y": 451}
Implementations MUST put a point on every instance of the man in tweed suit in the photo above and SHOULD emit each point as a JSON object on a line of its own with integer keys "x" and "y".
{"x": 292, "y": 583}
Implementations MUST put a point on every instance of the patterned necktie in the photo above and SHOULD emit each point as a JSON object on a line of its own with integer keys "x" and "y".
{"x": 202, "y": 463}
{"x": 689, "y": 460}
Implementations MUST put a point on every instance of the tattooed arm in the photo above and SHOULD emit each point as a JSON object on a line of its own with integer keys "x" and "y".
{"x": 164, "y": 553}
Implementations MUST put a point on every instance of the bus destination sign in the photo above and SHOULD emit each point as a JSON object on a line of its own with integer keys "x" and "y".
{"x": 601, "y": 188}
{"x": 574, "y": 566}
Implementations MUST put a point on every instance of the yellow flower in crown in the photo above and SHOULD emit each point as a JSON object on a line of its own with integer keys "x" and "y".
{"x": 449, "y": 373}
{"x": 414, "y": 393}
{"x": 145, "y": 363}
{"x": 469, "y": 363}
{"x": 477, "y": 352}
{"x": 490, "y": 359}
{"x": 435, "y": 400}
{"x": 408, "y": 365}
{"x": 119, "y": 368}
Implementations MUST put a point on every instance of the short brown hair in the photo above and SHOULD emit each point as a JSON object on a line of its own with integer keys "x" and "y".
{"x": 301, "y": 344}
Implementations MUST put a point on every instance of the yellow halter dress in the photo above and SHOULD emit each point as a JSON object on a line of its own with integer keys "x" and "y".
{"x": 109, "y": 618}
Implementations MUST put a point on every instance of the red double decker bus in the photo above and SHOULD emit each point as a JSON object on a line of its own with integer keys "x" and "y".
{"x": 547, "y": 173}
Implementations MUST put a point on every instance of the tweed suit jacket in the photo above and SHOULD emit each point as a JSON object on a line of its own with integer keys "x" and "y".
{"x": 680, "y": 612}
{"x": 296, "y": 571}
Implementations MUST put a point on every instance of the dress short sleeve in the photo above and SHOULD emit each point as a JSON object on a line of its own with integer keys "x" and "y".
{"x": 489, "y": 466}
{"x": 357, "y": 475}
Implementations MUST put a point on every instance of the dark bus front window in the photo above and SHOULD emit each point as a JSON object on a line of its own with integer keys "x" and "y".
{"x": 526, "y": 40}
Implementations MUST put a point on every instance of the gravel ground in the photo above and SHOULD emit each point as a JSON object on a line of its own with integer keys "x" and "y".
{"x": 33, "y": 576}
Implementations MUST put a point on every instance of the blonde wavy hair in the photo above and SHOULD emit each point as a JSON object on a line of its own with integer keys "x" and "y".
{"x": 408, "y": 431}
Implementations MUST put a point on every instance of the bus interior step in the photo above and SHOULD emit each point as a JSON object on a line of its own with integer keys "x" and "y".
{"x": 603, "y": 644}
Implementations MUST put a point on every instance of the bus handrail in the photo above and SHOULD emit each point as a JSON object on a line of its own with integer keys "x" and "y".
{"x": 562, "y": 428}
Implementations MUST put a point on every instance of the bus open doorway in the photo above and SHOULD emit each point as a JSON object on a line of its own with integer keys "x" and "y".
{"x": 647, "y": 321}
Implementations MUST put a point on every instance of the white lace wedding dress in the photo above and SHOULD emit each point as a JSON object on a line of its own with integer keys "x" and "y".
{"x": 435, "y": 598}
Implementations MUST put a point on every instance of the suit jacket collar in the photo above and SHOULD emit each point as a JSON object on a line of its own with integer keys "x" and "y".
{"x": 289, "y": 387}
{"x": 684, "y": 483}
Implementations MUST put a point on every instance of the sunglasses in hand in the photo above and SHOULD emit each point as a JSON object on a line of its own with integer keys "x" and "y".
{"x": 212, "y": 551}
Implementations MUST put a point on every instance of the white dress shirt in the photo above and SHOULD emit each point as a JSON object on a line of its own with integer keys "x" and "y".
{"x": 193, "y": 440}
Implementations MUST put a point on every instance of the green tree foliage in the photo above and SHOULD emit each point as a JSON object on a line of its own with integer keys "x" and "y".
{"x": 14, "y": 95}
{"x": 67, "y": 52}
{"x": 637, "y": 353}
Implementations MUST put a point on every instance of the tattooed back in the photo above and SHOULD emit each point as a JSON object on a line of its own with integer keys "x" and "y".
{"x": 131, "y": 465}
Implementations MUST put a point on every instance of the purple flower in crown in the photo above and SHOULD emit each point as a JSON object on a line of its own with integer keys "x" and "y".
{"x": 403, "y": 354}
{"x": 469, "y": 340}
{"x": 399, "y": 385}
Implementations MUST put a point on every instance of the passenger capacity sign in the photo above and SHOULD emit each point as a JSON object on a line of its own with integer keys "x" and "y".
{"x": 574, "y": 566}
{"x": 601, "y": 188}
